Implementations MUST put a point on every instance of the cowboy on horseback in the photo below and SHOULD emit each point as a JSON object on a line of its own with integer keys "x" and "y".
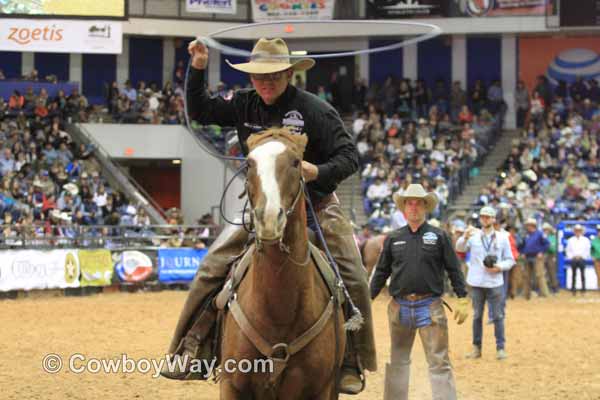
{"x": 330, "y": 157}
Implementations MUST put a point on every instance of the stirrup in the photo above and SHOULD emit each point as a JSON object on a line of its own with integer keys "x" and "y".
{"x": 352, "y": 381}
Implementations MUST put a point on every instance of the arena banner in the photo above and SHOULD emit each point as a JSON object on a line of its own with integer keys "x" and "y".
{"x": 211, "y": 6}
{"x": 133, "y": 266}
{"x": 179, "y": 265}
{"x": 96, "y": 267}
{"x": 407, "y": 8}
{"x": 33, "y": 269}
{"x": 65, "y": 8}
{"x": 269, "y": 10}
{"x": 61, "y": 36}
{"x": 558, "y": 59}
{"x": 498, "y": 8}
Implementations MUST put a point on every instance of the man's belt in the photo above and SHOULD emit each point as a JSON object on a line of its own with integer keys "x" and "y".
{"x": 416, "y": 297}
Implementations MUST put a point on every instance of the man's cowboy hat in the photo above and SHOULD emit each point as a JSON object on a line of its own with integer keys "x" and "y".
{"x": 416, "y": 191}
{"x": 270, "y": 56}
{"x": 531, "y": 221}
{"x": 547, "y": 227}
{"x": 578, "y": 227}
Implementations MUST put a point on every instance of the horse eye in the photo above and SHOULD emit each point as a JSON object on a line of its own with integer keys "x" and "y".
{"x": 296, "y": 163}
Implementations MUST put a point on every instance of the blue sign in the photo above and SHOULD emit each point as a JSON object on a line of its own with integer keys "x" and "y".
{"x": 564, "y": 231}
{"x": 179, "y": 265}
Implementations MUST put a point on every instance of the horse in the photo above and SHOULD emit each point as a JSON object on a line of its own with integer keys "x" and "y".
{"x": 370, "y": 251}
{"x": 282, "y": 310}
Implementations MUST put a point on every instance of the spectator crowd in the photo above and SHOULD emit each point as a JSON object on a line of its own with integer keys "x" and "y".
{"x": 52, "y": 186}
{"x": 408, "y": 133}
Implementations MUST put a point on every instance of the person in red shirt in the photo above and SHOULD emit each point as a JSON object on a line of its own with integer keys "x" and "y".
{"x": 16, "y": 101}
{"x": 465, "y": 115}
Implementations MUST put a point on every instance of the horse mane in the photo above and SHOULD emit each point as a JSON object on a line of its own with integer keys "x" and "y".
{"x": 296, "y": 143}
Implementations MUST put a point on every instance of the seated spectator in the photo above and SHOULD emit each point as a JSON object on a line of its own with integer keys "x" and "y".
{"x": 465, "y": 115}
{"x": 16, "y": 101}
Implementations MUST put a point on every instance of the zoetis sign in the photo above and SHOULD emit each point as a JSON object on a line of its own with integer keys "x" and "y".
{"x": 61, "y": 36}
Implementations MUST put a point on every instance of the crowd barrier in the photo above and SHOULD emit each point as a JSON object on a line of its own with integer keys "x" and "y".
{"x": 8, "y": 87}
{"x": 74, "y": 268}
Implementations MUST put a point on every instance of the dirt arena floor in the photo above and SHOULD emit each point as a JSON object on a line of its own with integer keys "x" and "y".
{"x": 553, "y": 346}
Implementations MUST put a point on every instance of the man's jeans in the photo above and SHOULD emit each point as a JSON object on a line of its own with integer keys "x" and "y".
{"x": 495, "y": 298}
{"x": 577, "y": 264}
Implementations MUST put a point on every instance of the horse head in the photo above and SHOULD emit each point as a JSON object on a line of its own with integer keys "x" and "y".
{"x": 274, "y": 182}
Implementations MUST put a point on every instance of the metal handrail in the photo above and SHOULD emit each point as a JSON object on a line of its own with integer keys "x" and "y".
{"x": 96, "y": 236}
{"x": 150, "y": 205}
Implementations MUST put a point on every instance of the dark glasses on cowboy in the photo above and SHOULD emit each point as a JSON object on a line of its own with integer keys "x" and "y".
{"x": 275, "y": 76}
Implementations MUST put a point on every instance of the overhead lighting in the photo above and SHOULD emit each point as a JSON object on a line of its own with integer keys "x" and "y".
{"x": 176, "y": 162}
{"x": 299, "y": 53}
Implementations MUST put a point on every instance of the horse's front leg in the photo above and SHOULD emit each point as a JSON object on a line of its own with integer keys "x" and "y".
{"x": 329, "y": 392}
{"x": 230, "y": 392}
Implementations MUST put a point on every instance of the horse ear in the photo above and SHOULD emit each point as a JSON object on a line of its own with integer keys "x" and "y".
{"x": 302, "y": 141}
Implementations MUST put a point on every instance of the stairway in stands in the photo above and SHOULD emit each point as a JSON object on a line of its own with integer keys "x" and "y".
{"x": 349, "y": 191}
{"x": 487, "y": 172}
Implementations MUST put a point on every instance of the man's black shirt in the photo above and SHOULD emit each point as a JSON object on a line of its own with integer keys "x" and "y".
{"x": 416, "y": 263}
{"x": 330, "y": 146}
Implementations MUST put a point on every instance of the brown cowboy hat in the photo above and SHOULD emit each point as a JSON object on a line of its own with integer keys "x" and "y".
{"x": 270, "y": 56}
{"x": 416, "y": 191}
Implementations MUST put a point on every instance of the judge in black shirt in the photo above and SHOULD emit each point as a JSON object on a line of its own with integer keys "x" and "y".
{"x": 415, "y": 257}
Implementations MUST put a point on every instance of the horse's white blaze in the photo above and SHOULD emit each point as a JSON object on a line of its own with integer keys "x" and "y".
{"x": 265, "y": 157}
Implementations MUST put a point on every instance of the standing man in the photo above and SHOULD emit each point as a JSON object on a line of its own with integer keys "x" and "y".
{"x": 489, "y": 255}
{"x": 534, "y": 247}
{"x": 416, "y": 257}
{"x": 330, "y": 157}
{"x": 578, "y": 252}
{"x": 551, "y": 256}
{"x": 596, "y": 254}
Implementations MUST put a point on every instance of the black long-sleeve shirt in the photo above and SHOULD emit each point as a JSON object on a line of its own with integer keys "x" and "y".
{"x": 330, "y": 147}
{"x": 416, "y": 262}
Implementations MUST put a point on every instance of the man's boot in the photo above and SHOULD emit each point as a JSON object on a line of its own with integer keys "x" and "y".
{"x": 351, "y": 381}
{"x": 396, "y": 382}
{"x": 475, "y": 353}
{"x": 501, "y": 354}
{"x": 352, "y": 378}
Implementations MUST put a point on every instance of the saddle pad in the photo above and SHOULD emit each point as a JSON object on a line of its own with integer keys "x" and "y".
{"x": 239, "y": 271}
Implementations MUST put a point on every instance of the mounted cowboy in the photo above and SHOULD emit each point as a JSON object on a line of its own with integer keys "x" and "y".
{"x": 330, "y": 157}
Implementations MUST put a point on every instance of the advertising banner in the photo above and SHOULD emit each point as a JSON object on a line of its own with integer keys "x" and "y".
{"x": 211, "y": 6}
{"x": 558, "y": 59}
{"x": 269, "y": 10}
{"x": 61, "y": 36}
{"x": 133, "y": 266}
{"x": 179, "y": 265}
{"x": 406, "y": 8}
{"x": 65, "y": 8}
{"x": 32, "y": 269}
{"x": 96, "y": 267}
{"x": 498, "y": 8}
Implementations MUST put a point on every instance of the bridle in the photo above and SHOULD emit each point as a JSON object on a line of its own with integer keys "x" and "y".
{"x": 282, "y": 246}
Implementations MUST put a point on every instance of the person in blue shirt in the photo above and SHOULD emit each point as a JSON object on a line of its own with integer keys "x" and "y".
{"x": 489, "y": 256}
{"x": 534, "y": 248}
